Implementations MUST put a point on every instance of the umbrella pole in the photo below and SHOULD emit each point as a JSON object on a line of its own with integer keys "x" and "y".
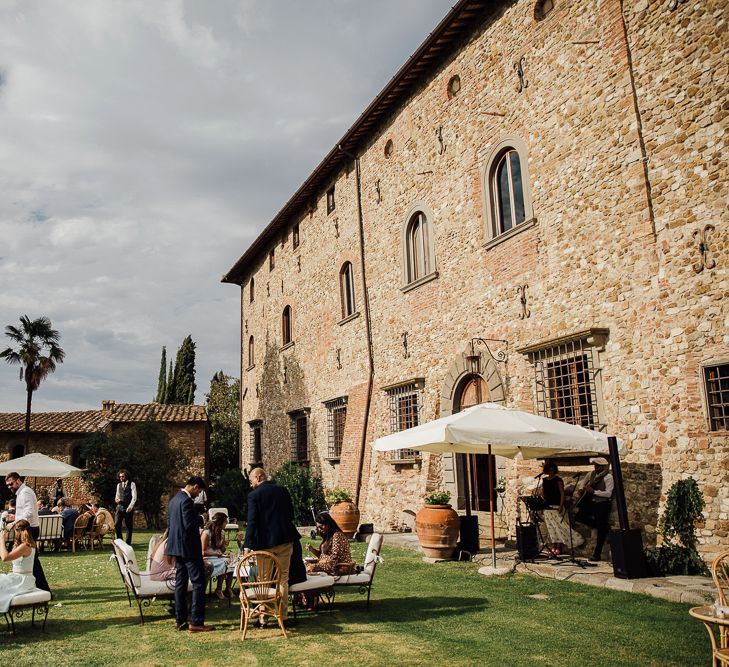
{"x": 467, "y": 485}
{"x": 491, "y": 507}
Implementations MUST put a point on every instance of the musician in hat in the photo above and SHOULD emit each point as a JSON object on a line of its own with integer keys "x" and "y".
{"x": 595, "y": 502}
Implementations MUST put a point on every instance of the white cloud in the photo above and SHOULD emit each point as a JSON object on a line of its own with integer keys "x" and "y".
{"x": 145, "y": 144}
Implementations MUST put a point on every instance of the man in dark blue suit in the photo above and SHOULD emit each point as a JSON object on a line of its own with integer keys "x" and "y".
{"x": 183, "y": 542}
{"x": 271, "y": 525}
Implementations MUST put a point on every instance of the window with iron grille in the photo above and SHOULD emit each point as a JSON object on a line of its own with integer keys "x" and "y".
{"x": 405, "y": 402}
{"x": 717, "y": 396}
{"x": 256, "y": 435}
{"x": 568, "y": 382}
{"x": 336, "y": 420}
{"x": 299, "y": 424}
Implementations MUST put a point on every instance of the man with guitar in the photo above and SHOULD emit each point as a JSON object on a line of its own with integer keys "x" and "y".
{"x": 593, "y": 506}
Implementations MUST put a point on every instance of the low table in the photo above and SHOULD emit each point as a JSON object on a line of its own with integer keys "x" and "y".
{"x": 720, "y": 653}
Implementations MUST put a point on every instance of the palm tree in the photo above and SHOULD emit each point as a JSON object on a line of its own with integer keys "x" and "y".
{"x": 37, "y": 354}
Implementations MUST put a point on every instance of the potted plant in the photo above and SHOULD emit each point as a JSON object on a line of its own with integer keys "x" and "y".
{"x": 437, "y": 525}
{"x": 343, "y": 510}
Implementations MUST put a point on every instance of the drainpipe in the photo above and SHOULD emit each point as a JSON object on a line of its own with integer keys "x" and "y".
{"x": 368, "y": 325}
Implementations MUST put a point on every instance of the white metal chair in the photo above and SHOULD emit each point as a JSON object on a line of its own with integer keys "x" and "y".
{"x": 363, "y": 580}
{"x": 139, "y": 583}
{"x": 317, "y": 583}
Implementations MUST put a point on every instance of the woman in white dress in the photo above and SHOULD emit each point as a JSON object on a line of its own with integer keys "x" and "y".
{"x": 21, "y": 579}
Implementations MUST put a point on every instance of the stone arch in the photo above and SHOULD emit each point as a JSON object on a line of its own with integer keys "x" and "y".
{"x": 459, "y": 375}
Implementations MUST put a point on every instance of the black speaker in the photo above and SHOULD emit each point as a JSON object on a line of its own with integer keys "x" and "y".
{"x": 469, "y": 534}
{"x": 526, "y": 541}
{"x": 628, "y": 556}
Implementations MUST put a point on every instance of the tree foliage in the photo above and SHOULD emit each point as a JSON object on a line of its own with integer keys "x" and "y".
{"x": 678, "y": 553}
{"x": 144, "y": 451}
{"x": 223, "y": 409}
{"x": 230, "y": 490}
{"x": 162, "y": 379}
{"x": 37, "y": 352}
{"x": 178, "y": 386}
{"x": 307, "y": 491}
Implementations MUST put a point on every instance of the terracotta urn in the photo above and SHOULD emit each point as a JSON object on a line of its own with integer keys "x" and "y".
{"x": 437, "y": 527}
{"x": 346, "y": 515}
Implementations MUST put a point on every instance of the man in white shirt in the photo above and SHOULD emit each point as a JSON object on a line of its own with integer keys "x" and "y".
{"x": 26, "y": 507}
{"x": 126, "y": 499}
{"x": 594, "y": 508}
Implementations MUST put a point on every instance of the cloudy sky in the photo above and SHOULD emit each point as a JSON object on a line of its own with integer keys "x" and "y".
{"x": 143, "y": 146}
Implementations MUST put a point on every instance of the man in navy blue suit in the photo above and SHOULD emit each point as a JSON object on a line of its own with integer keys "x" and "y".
{"x": 271, "y": 526}
{"x": 183, "y": 542}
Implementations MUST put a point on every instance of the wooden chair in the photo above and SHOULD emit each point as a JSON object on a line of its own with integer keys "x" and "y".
{"x": 50, "y": 529}
{"x": 363, "y": 580}
{"x": 259, "y": 577}
{"x": 82, "y": 533}
{"x": 720, "y": 574}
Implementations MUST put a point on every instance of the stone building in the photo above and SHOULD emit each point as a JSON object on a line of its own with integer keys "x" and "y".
{"x": 59, "y": 434}
{"x": 533, "y": 211}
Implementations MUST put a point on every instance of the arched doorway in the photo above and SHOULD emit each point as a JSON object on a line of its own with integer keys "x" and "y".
{"x": 475, "y": 468}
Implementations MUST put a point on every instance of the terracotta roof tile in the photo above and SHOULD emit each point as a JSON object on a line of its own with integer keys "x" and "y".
{"x": 90, "y": 421}
{"x": 53, "y": 422}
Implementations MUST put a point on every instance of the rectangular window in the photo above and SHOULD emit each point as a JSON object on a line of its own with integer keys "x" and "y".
{"x": 336, "y": 421}
{"x": 271, "y": 260}
{"x": 716, "y": 380}
{"x": 330, "y": 200}
{"x": 299, "y": 424}
{"x": 405, "y": 402}
{"x": 295, "y": 236}
{"x": 567, "y": 382}
{"x": 256, "y": 436}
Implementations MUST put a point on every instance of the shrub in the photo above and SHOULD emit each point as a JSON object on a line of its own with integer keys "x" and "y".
{"x": 306, "y": 490}
{"x": 231, "y": 491}
{"x": 438, "y": 498}
{"x": 338, "y": 495}
{"x": 678, "y": 553}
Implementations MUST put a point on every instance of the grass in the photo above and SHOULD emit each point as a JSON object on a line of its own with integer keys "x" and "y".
{"x": 421, "y": 614}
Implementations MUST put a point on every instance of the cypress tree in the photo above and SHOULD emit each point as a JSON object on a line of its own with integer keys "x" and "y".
{"x": 162, "y": 381}
{"x": 170, "y": 388}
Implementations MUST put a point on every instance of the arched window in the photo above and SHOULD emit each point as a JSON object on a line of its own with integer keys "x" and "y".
{"x": 252, "y": 290}
{"x": 78, "y": 459}
{"x": 251, "y": 352}
{"x": 419, "y": 251}
{"x": 346, "y": 290}
{"x": 286, "y": 325}
{"x": 17, "y": 452}
{"x": 508, "y": 203}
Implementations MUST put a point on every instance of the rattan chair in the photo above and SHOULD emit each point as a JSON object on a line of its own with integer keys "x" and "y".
{"x": 103, "y": 525}
{"x": 81, "y": 532}
{"x": 261, "y": 595}
{"x": 720, "y": 574}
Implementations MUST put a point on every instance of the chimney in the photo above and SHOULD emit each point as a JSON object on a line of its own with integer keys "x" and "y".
{"x": 107, "y": 407}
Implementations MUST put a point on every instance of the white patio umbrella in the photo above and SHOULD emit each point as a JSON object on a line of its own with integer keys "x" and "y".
{"x": 490, "y": 428}
{"x": 39, "y": 465}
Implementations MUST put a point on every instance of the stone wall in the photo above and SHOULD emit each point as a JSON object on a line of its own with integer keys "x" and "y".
{"x": 622, "y": 133}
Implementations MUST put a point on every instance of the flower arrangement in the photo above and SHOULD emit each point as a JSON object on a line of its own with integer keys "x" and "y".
{"x": 438, "y": 498}
{"x": 337, "y": 495}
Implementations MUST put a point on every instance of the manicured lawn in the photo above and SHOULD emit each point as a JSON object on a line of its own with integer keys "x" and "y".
{"x": 421, "y": 615}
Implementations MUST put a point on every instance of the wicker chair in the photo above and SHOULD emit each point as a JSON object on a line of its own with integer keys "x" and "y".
{"x": 720, "y": 573}
{"x": 103, "y": 525}
{"x": 81, "y": 532}
{"x": 261, "y": 595}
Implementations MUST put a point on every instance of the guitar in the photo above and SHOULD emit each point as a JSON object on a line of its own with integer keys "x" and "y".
{"x": 587, "y": 490}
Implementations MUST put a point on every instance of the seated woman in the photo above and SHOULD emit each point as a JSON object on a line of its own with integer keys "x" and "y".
{"x": 334, "y": 556}
{"x": 161, "y": 566}
{"x": 213, "y": 547}
{"x": 555, "y": 516}
{"x": 21, "y": 579}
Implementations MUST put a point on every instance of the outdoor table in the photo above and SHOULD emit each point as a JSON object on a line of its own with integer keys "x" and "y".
{"x": 720, "y": 654}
